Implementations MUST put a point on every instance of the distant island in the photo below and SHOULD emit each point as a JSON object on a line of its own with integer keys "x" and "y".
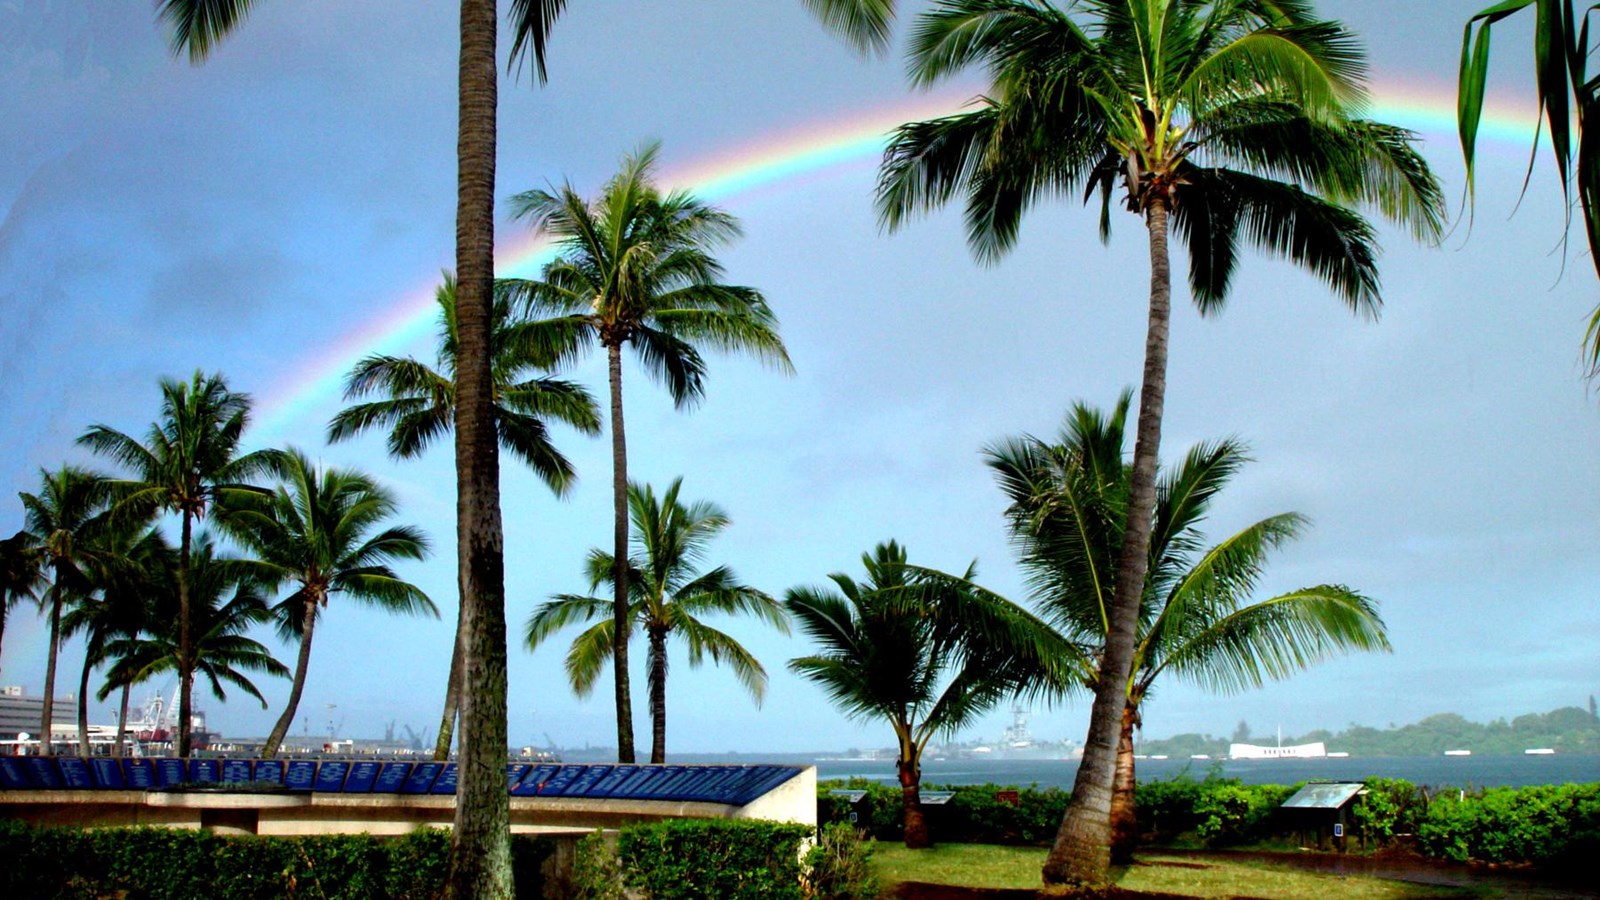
{"x": 1569, "y": 729}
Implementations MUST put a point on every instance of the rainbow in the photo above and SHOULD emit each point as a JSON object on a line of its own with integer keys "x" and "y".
{"x": 777, "y": 162}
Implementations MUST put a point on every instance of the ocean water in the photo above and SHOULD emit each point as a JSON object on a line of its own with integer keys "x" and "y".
{"x": 1434, "y": 771}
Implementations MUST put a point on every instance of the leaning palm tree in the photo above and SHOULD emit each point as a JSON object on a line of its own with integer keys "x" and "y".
{"x": 315, "y": 532}
{"x": 65, "y": 518}
{"x": 417, "y": 405}
{"x": 669, "y": 598}
{"x": 225, "y": 605}
{"x": 1197, "y": 621}
{"x": 20, "y": 575}
{"x": 188, "y": 464}
{"x": 928, "y": 651}
{"x": 634, "y": 267}
{"x": 1228, "y": 121}
{"x": 481, "y": 843}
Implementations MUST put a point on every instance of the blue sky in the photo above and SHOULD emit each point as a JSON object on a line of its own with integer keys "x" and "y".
{"x": 246, "y": 215}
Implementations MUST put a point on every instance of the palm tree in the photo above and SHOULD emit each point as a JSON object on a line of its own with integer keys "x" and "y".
{"x": 1227, "y": 121}
{"x": 128, "y": 605}
{"x": 1568, "y": 99}
{"x": 187, "y": 464}
{"x": 481, "y": 843}
{"x": 315, "y": 532}
{"x": 635, "y": 268}
{"x": 418, "y": 405}
{"x": 65, "y": 518}
{"x": 669, "y": 597}
{"x": 225, "y": 605}
{"x": 119, "y": 574}
{"x": 1196, "y": 620}
{"x": 20, "y": 575}
{"x": 928, "y": 651}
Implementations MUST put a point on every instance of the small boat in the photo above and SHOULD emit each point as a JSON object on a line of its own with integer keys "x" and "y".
{"x": 1200, "y": 756}
{"x": 1458, "y": 753}
{"x": 1159, "y": 756}
{"x": 1539, "y": 751}
{"x": 1338, "y": 754}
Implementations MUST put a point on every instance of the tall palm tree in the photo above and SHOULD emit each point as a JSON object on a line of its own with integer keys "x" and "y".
{"x": 119, "y": 572}
{"x": 20, "y": 575}
{"x": 315, "y": 533}
{"x": 1568, "y": 100}
{"x": 481, "y": 842}
{"x": 1197, "y": 621}
{"x": 65, "y": 518}
{"x": 928, "y": 651}
{"x": 1228, "y": 121}
{"x": 188, "y": 464}
{"x": 417, "y": 405}
{"x": 225, "y": 604}
{"x": 635, "y": 268}
{"x": 669, "y": 596}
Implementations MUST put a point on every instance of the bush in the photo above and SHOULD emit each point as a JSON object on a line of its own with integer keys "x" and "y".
{"x": 1167, "y": 809}
{"x": 1556, "y": 826}
{"x": 159, "y": 863}
{"x": 1232, "y": 813}
{"x": 715, "y": 859}
{"x": 1389, "y": 808}
{"x": 596, "y": 870}
{"x": 839, "y": 867}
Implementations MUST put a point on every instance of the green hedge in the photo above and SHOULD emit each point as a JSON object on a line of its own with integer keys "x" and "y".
{"x": 158, "y": 863}
{"x": 1551, "y": 826}
{"x": 1556, "y": 826}
{"x": 713, "y": 859}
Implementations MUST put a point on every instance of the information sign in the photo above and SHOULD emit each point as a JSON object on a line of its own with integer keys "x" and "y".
{"x": 361, "y": 778}
{"x": 422, "y": 778}
{"x": 330, "y": 776}
{"x": 107, "y": 773}
{"x": 446, "y": 782}
{"x": 300, "y": 775}
{"x": 140, "y": 773}
{"x": 75, "y": 774}
{"x": 391, "y": 777}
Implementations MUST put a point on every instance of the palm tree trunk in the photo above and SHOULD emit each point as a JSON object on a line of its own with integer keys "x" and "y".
{"x": 480, "y": 847}
{"x": 1124, "y": 814}
{"x": 658, "y": 695}
{"x": 1081, "y": 853}
{"x": 619, "y": 559}
{"x": 452, "y": 704}
{"x": 180, "y": 743}
{"x": 916, "y": 824}
{"x": 303, "y": 662}
{"x": 122, "y": 721}
{"x": 49, "y": 711}
{"x": 83, "y": 700}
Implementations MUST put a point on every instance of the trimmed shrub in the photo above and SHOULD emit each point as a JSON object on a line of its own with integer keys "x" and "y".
{"x": 160, "y": 863}
{"x": 1556, "y": 826}
{"x": 713, "y": 859}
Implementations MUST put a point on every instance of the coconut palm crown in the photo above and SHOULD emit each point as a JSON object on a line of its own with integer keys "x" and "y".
{"x": 1197, "y": 619}
{"x": 925, "y": 650}
{"x": 322, "y": 533}
{"x": 416, "y": 404}
{"x": 670, "y": 597}
{"x": 1233, "y": 123}
{"x": 634, "y": 267}
{"x": 188, "y": 464}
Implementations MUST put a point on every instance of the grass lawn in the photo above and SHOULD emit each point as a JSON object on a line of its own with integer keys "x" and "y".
{"x": 977, "y": 865}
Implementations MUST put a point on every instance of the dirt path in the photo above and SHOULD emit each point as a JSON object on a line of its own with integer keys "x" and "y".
{"x": 1411, "y": 868}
